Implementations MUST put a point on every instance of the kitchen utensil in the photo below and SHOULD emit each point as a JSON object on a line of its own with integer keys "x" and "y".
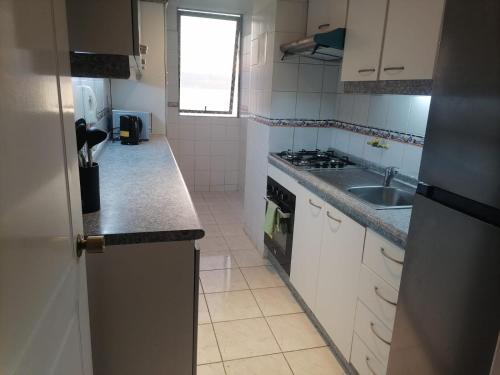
{"x": 81, "y": 135}
{"x": 94, "y": 137}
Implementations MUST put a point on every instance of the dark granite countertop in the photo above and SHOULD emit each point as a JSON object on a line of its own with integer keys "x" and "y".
{"x": 331, "y": 186}
{"x": 143, "y": 196}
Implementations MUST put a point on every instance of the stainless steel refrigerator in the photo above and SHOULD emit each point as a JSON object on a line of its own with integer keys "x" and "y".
{"x": 448, "y": 312}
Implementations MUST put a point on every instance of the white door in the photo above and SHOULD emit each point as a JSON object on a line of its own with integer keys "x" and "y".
{"x": 340, "y": 261}
{"x": 44, "y": 326}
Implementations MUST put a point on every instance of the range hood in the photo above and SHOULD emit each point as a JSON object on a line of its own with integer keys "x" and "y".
{"x": 327, "y": 46}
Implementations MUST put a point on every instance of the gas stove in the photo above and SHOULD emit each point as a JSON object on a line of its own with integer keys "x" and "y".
{"x": 316, "y": 159}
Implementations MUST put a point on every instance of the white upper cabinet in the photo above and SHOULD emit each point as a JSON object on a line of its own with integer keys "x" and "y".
{"x": 411, "y": 39}
{"x": 306, "y": 244}
{"x": 340, "y": 262}
{"x": 391, "y": 40}
{"x": 364, "y": 36}
{"x": 325, "y": 15}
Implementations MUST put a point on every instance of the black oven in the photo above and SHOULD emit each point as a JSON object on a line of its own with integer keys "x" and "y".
{"x": 280, "y": 243}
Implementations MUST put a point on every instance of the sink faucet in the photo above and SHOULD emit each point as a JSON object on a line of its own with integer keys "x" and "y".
{"x": 390, "y": 173}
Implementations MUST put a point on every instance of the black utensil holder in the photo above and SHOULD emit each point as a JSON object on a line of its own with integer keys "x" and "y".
{"x": 89, "y": 188}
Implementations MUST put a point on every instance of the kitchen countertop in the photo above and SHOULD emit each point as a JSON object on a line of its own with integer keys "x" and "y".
{"x": 392, "y": 224}
{"x": 143, "y": 196}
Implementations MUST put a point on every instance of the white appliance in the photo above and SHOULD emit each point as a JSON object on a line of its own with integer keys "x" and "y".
{"x": 144, "y": 116}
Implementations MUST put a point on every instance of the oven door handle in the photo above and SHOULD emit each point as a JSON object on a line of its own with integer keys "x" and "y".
{"x": 283, "y": 215}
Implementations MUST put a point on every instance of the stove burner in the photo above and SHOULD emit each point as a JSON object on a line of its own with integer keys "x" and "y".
{"x": 316, "y": 159}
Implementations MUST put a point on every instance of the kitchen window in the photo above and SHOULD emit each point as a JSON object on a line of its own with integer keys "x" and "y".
{"x": 209, "y": 63}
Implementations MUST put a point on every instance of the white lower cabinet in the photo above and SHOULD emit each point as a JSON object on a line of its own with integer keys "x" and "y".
{"x": 364, "y": 360}
{"x": 348, "y": 278}
{"x": 306, "y": 249}
{"x": 340, "y": 260}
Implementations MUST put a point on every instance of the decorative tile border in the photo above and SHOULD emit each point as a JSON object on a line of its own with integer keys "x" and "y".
{"x": 355, "y": 128}
{"x": 408, "y": 87}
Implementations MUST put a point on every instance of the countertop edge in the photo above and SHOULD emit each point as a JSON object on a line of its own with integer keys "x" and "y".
{"x": 360, "y": 212}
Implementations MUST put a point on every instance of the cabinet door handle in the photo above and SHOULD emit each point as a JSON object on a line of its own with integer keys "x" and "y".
{"x": 372, "y": 327}
{"x": 393, "y": 68}
{"x": 333, "y": 218}
{"x": 320, "y": 27}
{"x": 384, "y": 253}
{"x": 379, "y": 295}
{"x": 367, "y": 359}
{"x": 372, "y": 70}
{"x": 314, "y": 205}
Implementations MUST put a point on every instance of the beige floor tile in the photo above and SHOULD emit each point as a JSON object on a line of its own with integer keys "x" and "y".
{"x": 249, "y": 258}
{"x": 262, "y": 277}
{"x": 203, "y": 315}
{"x": 232, "y": 305}
{"x": 213, "y": 244}
{"x": 227, "y": 218}
{"x": 245, "y": 338}
{"x": 200, "y": 288}
{"x": 217, "y": 260}
{"x": 222, "y": 280}
{"x": 211, "y": 369}
{"x": 274, "y": 364}
{"x": 241, "y": 242}
{"x": 295, "y": 332}
{"x": 232, "y": 229}
{"x": 276, "y": 301}
{"x": 318, "y": 361}
{"x": 206, "y": 218}
{"x": 208, "y": 351}
{"x": 212, "y": 230}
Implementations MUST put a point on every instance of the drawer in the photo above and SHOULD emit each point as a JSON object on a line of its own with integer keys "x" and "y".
{"x": 373, "y": 332}
{"x": 379, "y": 296}
{"x": 363, "y": 359}
{"x": 384, "y": 258}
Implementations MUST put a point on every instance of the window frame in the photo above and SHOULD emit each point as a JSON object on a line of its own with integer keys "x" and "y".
{"x": 236, "y": 60}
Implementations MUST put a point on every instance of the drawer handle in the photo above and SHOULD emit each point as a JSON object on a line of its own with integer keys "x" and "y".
{"x": 372, "y": 70}
{"x": 372, "y": 327}
{"x": 320, "y": 27}
{"x": 333, "y": 218}
{"x": 384, "y": 253}
{"x": 393, "y": 68}
{"x": 377, "y": 292}
{"x": 314, "y": 205}
{"x": 367, "y": 359}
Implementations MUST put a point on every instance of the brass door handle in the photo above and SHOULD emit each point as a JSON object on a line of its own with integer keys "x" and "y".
{"x": 92, "y": 244}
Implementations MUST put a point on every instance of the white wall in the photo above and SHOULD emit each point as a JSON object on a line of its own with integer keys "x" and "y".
{"x": 148, "y": 93}
{"x": 208, "y": 149}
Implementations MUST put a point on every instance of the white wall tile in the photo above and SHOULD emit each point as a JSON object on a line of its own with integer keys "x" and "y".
{"x": 398, "y": 113}
{"x": 328, "y": 110}
{"x": 216, "y": 177}
{"x": 377, "y": 114}
{"x": 346, "y": 106}
{"x": 373, "y": 154}
{"x": 324, "y": 138}
{"x": 280, "y": 139}
{"x": 283, "y": 104}
{"x": 357, "y": 143}
{"x": 331, "y": 78}
{"x": 411, "y": 160}
{"x": 305, "y": 138}
{"x": 202, "y": 163}
{"x": 419, "y": 113}
{"x": 285, "y": 77}
{"x": 217, "y": 163}
{"x": 393, "y": 156}
{"x": 202, "y": 148}
{"x": 342, "y": 140}
{"x": 360, "y": 109}
{"x": 308, "y": 105}
{"x": 310, "y": 78}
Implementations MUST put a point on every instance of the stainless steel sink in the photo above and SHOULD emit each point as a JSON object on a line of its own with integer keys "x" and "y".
{"x": 383, "y": 197}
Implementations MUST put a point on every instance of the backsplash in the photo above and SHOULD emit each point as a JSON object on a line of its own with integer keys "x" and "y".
{"x": 92, "y": 101}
